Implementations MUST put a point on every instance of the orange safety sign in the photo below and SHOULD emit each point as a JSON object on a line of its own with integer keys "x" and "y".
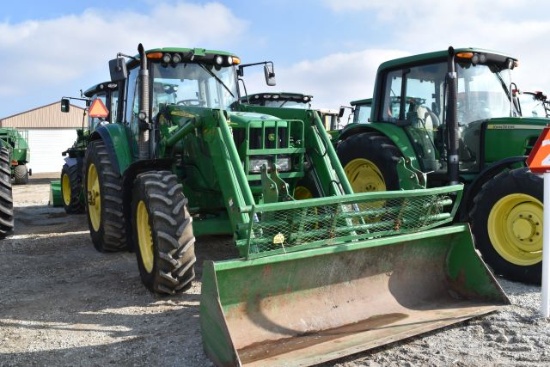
{"x": 538, "y": 160}
{"x": 97, "y": 109}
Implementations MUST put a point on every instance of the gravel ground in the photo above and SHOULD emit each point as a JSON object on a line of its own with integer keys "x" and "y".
{"x": 64, "y": 304}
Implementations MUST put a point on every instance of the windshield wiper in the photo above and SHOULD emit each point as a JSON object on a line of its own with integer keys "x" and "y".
{"x": 217, "y": 79}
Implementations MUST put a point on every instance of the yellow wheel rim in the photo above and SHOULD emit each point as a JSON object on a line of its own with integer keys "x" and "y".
{"x": 302, "y": 192}
{"x": 145, "y": 239}
{"x": 364, "y": 176}
{"x": 515, "y": 229}
{"x": 93, "y": 197}
{"x": 66, "y": 189}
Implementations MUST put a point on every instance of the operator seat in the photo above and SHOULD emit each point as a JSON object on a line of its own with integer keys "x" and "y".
{"x": 427, "y": 118}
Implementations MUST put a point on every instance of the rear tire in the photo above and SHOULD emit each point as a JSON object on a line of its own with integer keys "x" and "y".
{"x": 370, "y": 162}
{"x": 6, "y": 197}
{"x": 103, "y": 188}
{"x": 21, "y": 175}
{"x": 71, "y": 189}
{"x": 506, "y": 221}
{"x": 162, "y": 233}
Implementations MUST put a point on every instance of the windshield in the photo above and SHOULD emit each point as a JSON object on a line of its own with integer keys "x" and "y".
{"x": 197, "y": 85}
{"x": 361, "y": 113}
{"x": 286, "y": 104}
{"x": 482, "y": 93}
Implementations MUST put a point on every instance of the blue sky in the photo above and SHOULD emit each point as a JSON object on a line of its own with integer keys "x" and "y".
{"x": 327, "y": 48}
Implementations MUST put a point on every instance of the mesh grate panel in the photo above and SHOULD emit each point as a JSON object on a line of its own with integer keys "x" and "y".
{"x": 308, "y": 224}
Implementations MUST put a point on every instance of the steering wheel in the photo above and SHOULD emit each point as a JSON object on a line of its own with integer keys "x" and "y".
{"x": 190, "y": 102}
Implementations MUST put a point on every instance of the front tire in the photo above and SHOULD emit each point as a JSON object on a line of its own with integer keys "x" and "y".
{"x": 71, "y": 189}
{"x": 21, "y": 174}
{"x": 6, "y": 196}
{"x": 370, "y": 162}
{"x": 162, "y": 233}
{"x": 103, "y": 188}
{"x": 506, "y": 220}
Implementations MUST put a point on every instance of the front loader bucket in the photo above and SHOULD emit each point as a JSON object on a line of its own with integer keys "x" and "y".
{"x": 312, "y": 306}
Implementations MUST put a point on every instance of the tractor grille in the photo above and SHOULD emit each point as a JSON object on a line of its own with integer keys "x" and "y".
{"x": 298, "y": 225}
{"x": 268, "y": 138}
{"x": 270, "y": 141}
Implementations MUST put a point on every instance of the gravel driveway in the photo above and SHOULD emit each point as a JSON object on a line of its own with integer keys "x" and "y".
{"x": 64, "y": 304}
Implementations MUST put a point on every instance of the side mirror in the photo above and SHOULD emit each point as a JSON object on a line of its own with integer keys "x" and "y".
{"x": 341, "y": 112}
{"x": 117, "y": 68}
{"x": 65, "y": 105}
{"x": 269, "y": 74}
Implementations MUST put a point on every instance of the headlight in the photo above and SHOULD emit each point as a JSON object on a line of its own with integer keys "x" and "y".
{"x": 283, "y": 164}
{"x": 257, "y": 164}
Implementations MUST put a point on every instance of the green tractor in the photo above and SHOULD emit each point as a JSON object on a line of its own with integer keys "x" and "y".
{"x": 17, "y": 144}
{"x": 319, "y": 272}
{"x": 71, "y": 194}
{"x": 360, "y": 112}
{"x": 452, "y": 117}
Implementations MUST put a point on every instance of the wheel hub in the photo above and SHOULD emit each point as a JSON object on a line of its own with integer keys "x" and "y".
{"x": 364, "y": 176}
{"x": 525, "y": 225}
{"x": 523, "y": 229}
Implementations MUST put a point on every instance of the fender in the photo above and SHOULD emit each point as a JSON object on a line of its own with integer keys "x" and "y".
{"x": 485, "y": 175}
{"x": 120, "y": 155}
{"x": 120, "y": 152}
{"x": 395, "y": 133}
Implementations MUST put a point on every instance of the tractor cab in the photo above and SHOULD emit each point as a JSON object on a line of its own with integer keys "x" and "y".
{"x": 415, "y": 97}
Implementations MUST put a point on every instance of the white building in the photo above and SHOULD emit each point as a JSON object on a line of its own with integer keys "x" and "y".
{"x": 49, "y": 132}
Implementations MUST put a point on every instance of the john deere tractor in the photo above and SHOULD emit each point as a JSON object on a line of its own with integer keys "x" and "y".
{"x": 17, "y": 144}
{"x": 314, "y": 279}
{"x": 360, "y": 111}
{"x": 70, "y": 184}
{"x": 451, "y": 117}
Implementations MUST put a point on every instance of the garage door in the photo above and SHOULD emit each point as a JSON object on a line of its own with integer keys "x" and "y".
{"x": 46, "y": 146}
